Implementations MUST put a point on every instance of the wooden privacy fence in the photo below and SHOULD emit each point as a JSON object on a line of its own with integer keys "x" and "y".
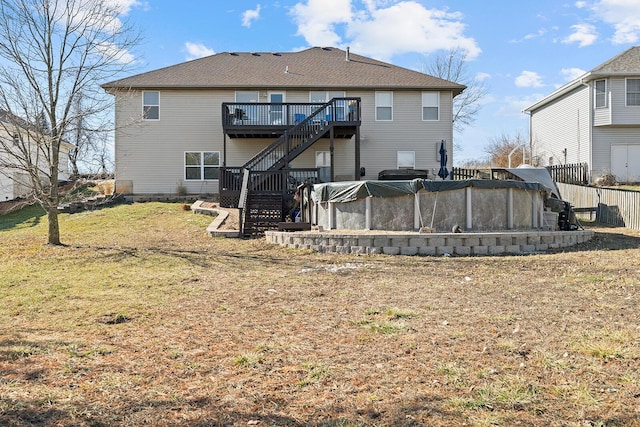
{"x": 614, "y": 207}
{"x": 575, "y": 173}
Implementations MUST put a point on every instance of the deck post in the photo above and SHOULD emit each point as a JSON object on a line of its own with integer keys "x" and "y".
{"x": 332, "y": 167}
{"x": 357, "y": 154}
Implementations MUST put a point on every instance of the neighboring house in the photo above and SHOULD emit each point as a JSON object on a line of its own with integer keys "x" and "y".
{"x": 14, "y": 180}
{"x": 594, "y": 119}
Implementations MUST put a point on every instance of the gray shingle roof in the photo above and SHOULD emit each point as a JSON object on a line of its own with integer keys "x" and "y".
{"x": 321, "y": 68}
{"x": 626, "y": 62}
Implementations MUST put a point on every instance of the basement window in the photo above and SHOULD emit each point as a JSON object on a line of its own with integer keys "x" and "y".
{"x": 201, "y": 165}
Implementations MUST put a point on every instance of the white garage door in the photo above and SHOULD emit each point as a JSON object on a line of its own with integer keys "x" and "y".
{"x": 625, "y": 162}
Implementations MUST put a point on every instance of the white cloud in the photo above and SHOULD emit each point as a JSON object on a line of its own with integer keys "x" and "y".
{"x": 250, "y": 15}
{"x": 583, "y": 34}
{"x": 110, "y": 50}
{"x": 511, "y": 106}
{"x": 316, "y": 20}
{"x": 541, "y": 32}
{"x": 383, "y": 28}
{"x": 197, "y": 50}
{"x": 622, "y": 15}
{"x": 528, "y": 79}
{"x": 124, "y": 6}
{"x": 482, "y": 76}
{"x": 571, "y": 73}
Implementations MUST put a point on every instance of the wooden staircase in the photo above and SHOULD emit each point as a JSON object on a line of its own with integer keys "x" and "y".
{"x": 266, "y": 193}
{"x": 265, "y": 204}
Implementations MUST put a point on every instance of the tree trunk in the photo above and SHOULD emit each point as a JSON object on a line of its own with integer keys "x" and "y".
{"x": 54, "y": 226}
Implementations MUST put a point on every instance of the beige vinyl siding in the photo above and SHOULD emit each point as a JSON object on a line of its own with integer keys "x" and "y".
{"x": 381, "y": 140}
{"x": 150, "y": 154}
{"x": 562, "y": 124}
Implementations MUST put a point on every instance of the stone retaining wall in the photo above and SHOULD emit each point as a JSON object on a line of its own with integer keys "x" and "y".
{"x": 412, "y": 243}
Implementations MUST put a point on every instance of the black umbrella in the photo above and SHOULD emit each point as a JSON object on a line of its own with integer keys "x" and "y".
{"x": 443, "y": 173}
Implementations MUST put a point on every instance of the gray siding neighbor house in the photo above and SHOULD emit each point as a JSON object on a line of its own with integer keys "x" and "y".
{"x": 594, "y": 119}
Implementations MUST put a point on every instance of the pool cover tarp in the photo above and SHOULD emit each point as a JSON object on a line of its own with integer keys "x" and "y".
{"x": 353, "y": 190}
{"x": 536, "y": 174}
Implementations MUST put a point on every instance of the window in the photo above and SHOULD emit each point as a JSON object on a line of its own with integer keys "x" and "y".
{"x": 244, "y": 111}
{"x": 601, "y": 93}
{"x": 151, "y": 105}
{"x": 326, "y": 96}
{"x": 633, "y": 92}
{"x": 201, "y": 166}
{"x": 247, "y": 96}
{"x": 406, "y": 159}
{"x": 430, "y": 105}
{"x": 384, "y": 105}
{"x": 323, "y": 159}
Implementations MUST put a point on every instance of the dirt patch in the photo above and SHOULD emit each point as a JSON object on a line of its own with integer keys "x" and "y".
{"x": 232, "y": 222}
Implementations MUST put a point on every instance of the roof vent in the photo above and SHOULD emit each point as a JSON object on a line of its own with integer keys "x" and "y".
{"x": 233, "y": 54}
{"x": 286, "y": 69}
{"x": 347, "y": 55}
{"x": 255, "y": 54}
{"x": 276, "y": 54}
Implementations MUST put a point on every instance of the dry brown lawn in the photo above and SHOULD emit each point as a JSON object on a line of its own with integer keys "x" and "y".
{"x": 143, "y": 320}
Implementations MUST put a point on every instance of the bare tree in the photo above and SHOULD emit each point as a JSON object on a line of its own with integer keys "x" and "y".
{"x": 499, "y": 148}
{"x": 89, "y": 141}
{"x": 452, "y": 66}
{"x": 53, "y": 53}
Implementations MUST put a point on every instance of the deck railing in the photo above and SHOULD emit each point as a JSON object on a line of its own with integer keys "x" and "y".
{"x": 283, "y": 181}
{"x": 288, "y": 114}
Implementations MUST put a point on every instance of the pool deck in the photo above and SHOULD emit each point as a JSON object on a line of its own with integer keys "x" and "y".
{"x": 434, "y": 244}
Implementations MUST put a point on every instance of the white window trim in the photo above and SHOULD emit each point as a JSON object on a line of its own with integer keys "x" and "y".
{"x": 202, "y": 166}
{"x": 595, "y": 94}
{"x": 436, "y": 106}
{"x": 385, "y": 106}
{"x": 626, "y": 92}
{"x": 150, "y": 105}
{"x": 413, "y": 153}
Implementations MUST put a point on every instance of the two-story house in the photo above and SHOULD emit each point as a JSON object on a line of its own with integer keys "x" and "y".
{"x": 20, "y": 154}
{"x": 594, "y": 119}
{"x": 318, "y": 115}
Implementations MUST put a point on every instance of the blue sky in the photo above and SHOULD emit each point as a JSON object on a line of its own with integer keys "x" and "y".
{"x": 521, "y": 50}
